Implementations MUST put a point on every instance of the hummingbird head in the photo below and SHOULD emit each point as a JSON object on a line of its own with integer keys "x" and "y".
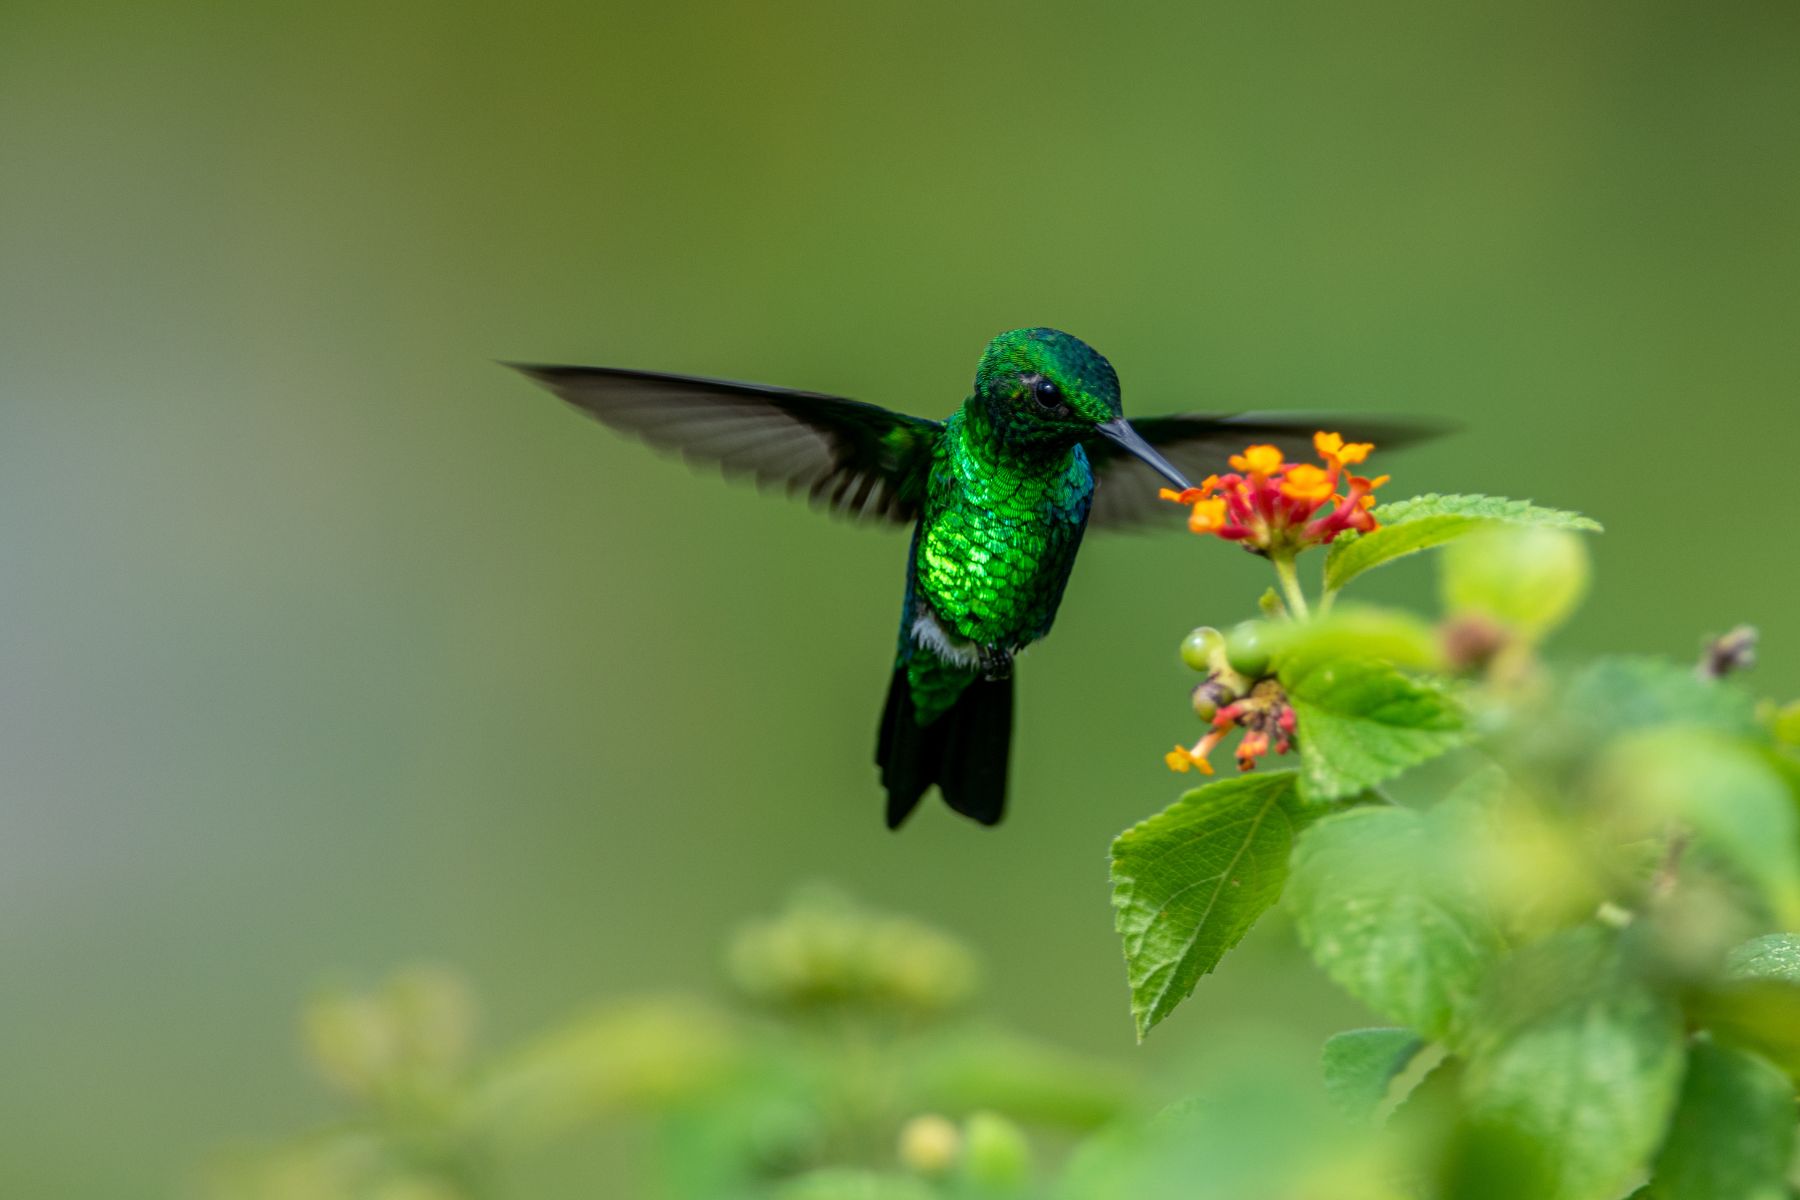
{"x": 1046, "y": 389}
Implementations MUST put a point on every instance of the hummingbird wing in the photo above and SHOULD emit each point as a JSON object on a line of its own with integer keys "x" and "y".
{"x": 1125, "y": 491}
{"x": 856, "y": 459}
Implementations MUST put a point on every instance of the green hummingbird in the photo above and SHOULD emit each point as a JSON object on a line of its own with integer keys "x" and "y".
{"x": 998, "y": 497}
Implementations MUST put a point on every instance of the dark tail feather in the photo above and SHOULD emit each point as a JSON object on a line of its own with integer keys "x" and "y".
{"x": 973, "y": 774}
{"x": 907, "y": 754}
{"x": 964, "y": 751}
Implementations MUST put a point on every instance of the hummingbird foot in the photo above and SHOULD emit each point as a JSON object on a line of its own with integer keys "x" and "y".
{"x": 996, "y": 663}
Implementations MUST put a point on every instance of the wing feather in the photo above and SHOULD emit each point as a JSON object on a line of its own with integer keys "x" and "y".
{"x": 852, "y": 458}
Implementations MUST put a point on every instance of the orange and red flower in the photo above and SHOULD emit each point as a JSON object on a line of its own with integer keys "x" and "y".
{"x": 1264, "y": 715}
{"x": 1269, "y": 504}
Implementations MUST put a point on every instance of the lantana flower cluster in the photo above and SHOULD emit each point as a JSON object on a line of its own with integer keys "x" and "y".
{"x": 1275, "y": 507}
{"x": 1265, "y": 717}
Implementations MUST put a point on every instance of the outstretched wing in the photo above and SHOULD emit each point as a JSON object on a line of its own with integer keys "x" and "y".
{"x": 1198, "y": 445}
{"x": 853, "y": 458}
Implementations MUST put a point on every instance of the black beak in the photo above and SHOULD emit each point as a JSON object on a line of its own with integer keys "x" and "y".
{"x": 1119, "y": 430}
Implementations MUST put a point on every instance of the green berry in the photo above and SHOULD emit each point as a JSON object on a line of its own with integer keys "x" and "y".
{"x": 998, "y": 1158}
{"x": 1199, "y": 647}
{"x": 1250, "y": 648}
{"x": 1529, "y": 580}
{"x": 1206, "y": 703}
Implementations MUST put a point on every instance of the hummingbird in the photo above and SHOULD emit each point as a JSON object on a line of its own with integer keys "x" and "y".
{"x": 998, "y": 497}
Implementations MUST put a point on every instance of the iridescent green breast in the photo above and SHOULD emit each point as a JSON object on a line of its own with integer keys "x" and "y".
{"x": 998, "y": 537}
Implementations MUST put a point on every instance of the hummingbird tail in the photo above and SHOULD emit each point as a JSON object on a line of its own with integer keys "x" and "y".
{"x": 963, "y": 750}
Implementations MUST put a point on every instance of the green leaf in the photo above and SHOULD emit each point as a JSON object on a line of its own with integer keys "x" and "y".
{"x": 1732, "y": 1132}
{"x": 1775, "y": 956}
{"x": 1576, "y": 1062}
{"x": 1434, "y": 1104}
{"x": 1360, "y": 721}
{"x": 1359, "y": 1065}
{"x": 1351, "y": 630}
{"x": 1383, "y": 900}
{"x": 1756, "y": 1014}
{"x": 1408, "y": 526}
{"x": 1758, "y": 1005}
{"x": 1189, "y": 882}
{"x": 1260, "y": 1127}
{"x": 1612, "y": 696}
{"x": 1723, "y": 790}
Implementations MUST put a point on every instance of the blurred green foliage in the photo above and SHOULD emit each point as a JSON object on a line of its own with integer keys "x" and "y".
{"x": 323, "y": 643}
{"x": 1582, "y": 919}
{"x": 1587, "y": 945}
{"x": 827, "y": 1078}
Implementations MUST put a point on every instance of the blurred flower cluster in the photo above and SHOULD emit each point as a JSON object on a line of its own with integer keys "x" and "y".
{"x": 825, "y": 951}
{"x": 849, "y": 1069}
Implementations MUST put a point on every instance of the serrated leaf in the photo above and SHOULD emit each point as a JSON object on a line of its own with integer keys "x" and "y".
{"x": 1383, "y": 901}
{"x": 1359, "y": 721}
{"x": 1189, "y": 882}
{"x": 1409, "y": 526}
{"x": 1576, "y": 1062}
{"x": 1732, "y": 1132}
{"x": 1359, "y": 1064}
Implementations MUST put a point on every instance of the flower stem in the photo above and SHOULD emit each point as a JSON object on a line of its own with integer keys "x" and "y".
{"x": 1290, "y": 585}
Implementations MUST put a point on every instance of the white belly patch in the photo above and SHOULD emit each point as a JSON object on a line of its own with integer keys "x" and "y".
{"x": 929, "y": 632}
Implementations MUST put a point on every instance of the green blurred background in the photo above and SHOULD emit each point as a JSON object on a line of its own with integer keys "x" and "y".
{"x": 326, "y": 644}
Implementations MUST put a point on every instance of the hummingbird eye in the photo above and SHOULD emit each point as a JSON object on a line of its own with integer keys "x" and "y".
{"x": 1048, "y": 396}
